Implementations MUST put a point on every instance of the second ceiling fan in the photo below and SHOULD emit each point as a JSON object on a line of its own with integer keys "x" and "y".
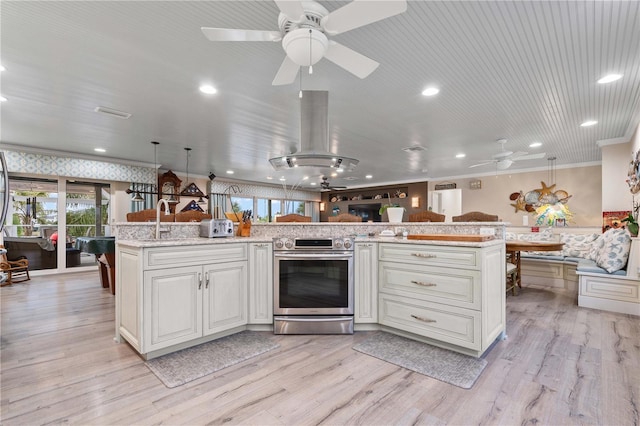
{"x": 304, "y": 27}
{"x": 504, "y": 159}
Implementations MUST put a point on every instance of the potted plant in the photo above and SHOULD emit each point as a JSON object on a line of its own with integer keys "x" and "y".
{"x": 394, "y": 211}
{"x": 632, "y": 224}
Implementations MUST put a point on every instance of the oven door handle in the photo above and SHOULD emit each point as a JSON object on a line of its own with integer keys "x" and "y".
{"x": 323, "y": 319}
{"x": 315, "y": 255}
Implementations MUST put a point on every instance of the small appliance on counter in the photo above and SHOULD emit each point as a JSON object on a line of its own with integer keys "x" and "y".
{"x": 210, "y": 228}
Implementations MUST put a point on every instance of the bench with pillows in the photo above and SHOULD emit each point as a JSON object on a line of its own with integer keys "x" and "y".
{"x": 601, "y": 268}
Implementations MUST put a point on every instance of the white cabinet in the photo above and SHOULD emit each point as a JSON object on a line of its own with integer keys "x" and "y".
{"x": 449, "y": 296}
{"x": 366, "y": 283}
{"x": 174, "y": 297}
{"x": 260, "y": 283}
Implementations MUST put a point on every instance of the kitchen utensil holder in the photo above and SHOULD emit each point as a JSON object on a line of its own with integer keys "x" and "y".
{"x": 244, "y": 229}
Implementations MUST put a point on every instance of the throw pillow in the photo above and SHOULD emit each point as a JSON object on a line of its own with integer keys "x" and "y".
{"x": 613, "y": 255}
{"x": 577, "y": 245}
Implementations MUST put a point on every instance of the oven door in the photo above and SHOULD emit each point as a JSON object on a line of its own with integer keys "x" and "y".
{"x": 313, "y": 283}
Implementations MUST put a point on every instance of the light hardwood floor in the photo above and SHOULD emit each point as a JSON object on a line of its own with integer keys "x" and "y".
{"x": 560, "y": 365}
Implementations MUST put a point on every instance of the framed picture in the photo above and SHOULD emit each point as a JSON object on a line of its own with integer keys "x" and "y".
{"x": 561, "y": 222}
{"x": 613, "y": 219}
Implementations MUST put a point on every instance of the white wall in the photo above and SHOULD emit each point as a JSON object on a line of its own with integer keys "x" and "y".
{"x": 615, "y": 191}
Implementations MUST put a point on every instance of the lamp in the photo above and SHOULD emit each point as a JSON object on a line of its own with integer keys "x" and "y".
{"x": 137, "y": 198}
{"x": 415, "y": 202}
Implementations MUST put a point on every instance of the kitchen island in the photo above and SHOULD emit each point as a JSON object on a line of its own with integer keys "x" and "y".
{"x": 176, "y": 293}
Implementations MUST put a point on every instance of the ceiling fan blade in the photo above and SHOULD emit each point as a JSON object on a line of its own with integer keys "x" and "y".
{"x": 287, "y": 73}
{"x": 291, "y": 9}
{"x": 359, "y": 13}
{"x": 228, "y": 34}
{"x": 483, "y": 164}
{"x": 530, "y": 157}
{"x": 352, "y": 61}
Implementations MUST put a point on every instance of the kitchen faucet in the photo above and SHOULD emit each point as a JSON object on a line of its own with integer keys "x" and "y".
{"x": 166, "y": 212}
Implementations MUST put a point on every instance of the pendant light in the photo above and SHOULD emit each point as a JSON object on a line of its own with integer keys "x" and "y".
{"x": 137, "y": 198}
{"x": 191, "y": 189}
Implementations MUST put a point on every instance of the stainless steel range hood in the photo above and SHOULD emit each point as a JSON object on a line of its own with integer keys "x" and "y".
{"x": 314, "y": 137}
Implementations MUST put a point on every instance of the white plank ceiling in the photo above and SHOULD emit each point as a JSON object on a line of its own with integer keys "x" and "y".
{"x": 525, "y": 71}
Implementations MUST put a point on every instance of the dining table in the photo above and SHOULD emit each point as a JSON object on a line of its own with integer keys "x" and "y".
{"x": 514, "y": 249}
{"x": 104, "y": 248}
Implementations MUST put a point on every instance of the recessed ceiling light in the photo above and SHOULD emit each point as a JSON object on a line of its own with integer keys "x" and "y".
{"x": 460, "y": 155}
{"x": 334, "y": 174}
{"x": 430, "y": 91}
{"x": 270, "y": 177}
{"x": 282, "y": 179}
{"x": 229, "y": 172}
{"x": 313, "y": 184}
{"x": 99, "y": 150}
{"x": 535, "y": 144}
{"x": 3, "y": 99}
{"x": 610, "y": 78}
{"x": 208, "y": 89}
{"x": 589, "y": 123}
{"x": 368, "y": 177}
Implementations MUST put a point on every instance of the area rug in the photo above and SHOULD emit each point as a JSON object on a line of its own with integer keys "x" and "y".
{"x": 189, "y": 364}
{"x": 442, "y": 364}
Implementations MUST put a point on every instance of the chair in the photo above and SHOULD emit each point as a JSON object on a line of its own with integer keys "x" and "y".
{"x": 512, "y": 274}
{"x": 190, "y": 216}
{"x": 426, "y": 216}
{"x": 345, "y": 217}
{"x": 293, "y": 217}
{"x": 475, "y": 217}
{"x": 16, "y": 270}
{"x": 149, "y": 215}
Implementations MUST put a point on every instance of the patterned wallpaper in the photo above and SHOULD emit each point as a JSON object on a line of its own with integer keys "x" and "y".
{"x": 260, "y": 191}
{"x": 21, "y": 162}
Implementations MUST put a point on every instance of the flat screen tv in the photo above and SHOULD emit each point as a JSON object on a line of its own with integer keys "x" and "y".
{"x": 368, "y": 212}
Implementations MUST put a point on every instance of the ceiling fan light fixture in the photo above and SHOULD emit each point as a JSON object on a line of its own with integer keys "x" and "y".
{"x": 504, "y": 164}
{"x": 305, "y": 46}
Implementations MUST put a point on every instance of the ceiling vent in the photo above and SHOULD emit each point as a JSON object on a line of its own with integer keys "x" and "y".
{"x": 113, "y": 112}
{"x": 314, "y": 137}
{"x": 414, "y": 148}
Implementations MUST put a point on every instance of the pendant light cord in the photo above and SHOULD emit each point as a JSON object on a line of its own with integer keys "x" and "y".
{"x": 310, "y": 54}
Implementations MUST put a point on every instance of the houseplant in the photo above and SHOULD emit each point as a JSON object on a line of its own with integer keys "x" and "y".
{"x": 394, "y": 211}
{"x": 632, "y": 224}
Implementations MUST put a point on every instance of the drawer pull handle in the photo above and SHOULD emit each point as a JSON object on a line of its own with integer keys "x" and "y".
{"x": 424, "y": 284}
{"x": 199, "y": 280}
{"x": 422, "y": 319}
{"x": 206, "y": 277}
{"x": 427, "y": 256}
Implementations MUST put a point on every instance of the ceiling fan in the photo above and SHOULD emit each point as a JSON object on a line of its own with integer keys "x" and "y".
{"x": 304, "y": 27}
{"x": 504, "y": 159}
{"x": 326, "y": 186}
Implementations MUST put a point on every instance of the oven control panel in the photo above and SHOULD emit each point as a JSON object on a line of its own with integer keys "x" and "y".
{"x": 286, "y": 243}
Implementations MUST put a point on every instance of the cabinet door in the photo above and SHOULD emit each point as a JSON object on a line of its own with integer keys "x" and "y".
{"x": 366, "y": 283}
{"x": 225, "y": 296}
{"x": 172, "y": 307}
{"x": 260, "y": 283}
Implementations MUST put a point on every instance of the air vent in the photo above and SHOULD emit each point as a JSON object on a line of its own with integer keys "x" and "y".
{"x": 113, "y": 112}
{"x": 414, "y": 148}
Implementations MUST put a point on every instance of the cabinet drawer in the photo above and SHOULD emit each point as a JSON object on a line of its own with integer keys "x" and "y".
{"x": 449, "y": 324}
{"x": 163, "y": 257}
{"x": 457, "y": 287}
{"x": 430, "y": 255}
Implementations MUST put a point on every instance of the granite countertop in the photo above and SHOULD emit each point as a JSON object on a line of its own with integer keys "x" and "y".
{"x": 231, "y": 240}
